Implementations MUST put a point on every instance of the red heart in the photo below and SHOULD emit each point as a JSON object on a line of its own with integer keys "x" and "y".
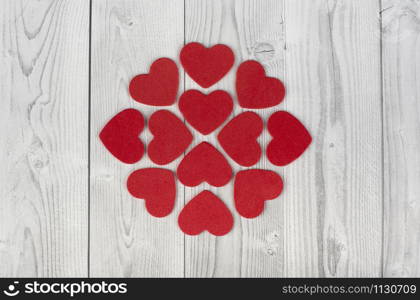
{"x": 205, "y": 212}
{"x": 239, "y": 138}
{"x": 290, "y": 138}
{"x": 252, "y": 188}
{"x": 156, "y": 187}
{"x": 171, "y": 137}
{"x": 254, "y": 89}
{"x": 206, "y": 65}
{"x": 205, "y": 112}
{"x": 159, "y": 87}
{"x": 121, "y": 136}
{"x": 204, "y": 163}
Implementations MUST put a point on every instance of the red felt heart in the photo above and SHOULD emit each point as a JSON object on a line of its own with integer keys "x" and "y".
{"x": 170, "y": 137}
{"x": 254, "y": 89}
{"x": 205, "y": 112}
{"x": 252, "y": 188}
{"x": 290, "y": 138}
{"x": 204, "y": 164}
{"x": 206, "y": 65}
{"x": 239, "y": 138}
{"x": 121, "y": 136}
{"x": 159, "y": 87}
{"x": 156, "y": 187}
{"x": 205, "y": 212}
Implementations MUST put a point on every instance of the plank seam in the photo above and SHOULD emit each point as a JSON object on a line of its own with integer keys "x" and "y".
{"x": 381, "y": 74}
{"x": 89, "y": 129}
{"x": 184, "y": 262}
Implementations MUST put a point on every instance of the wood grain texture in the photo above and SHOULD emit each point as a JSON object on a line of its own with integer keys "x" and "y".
{"x": 43, "y": 138}
{"x": 328, "y": 221}
{"x": 348, "y": 140}
{"x": 127, "y": 36}
{"x": 401, "y": 90}
{"x": 251, "y": 249}
{"x": 211, "y": 22}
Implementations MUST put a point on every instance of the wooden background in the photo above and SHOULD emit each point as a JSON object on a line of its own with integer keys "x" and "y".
{"x": 351, "y": 204}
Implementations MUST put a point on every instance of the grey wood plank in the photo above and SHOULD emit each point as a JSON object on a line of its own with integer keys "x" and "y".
{"x": 127, "y": 36}
{"x": 44, "y": 81}
{"x": 401, "y": 90}
{"x": 254, "y": 248}
{"x": 212, "y": 22}
{"x": 348, "y": 172}
{"x": 328, "y": 221}
{"x": 282, "y": 242}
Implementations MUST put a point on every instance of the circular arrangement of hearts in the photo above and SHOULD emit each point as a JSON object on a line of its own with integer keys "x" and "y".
{"x": 204, "y": 163}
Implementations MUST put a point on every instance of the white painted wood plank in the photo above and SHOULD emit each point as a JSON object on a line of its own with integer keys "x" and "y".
{"x": 44, "y": 61}
{"x": 328, "y": 220}
{"x": 127, "y": 36}
{"x": 210, "y": 23}
{"x": 401, "y": 91}
{"x": 254, "y": 248}
{"x": 282, "y": 242}
{"x": 348, "y": 160}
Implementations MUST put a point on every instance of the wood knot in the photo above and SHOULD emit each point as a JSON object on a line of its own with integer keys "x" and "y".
{"x": 37, "y": 156}
{"x": 271, "y": 252}
{"x": 264, "y": 52}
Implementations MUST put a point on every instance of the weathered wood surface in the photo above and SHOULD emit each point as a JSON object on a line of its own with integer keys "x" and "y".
{"x": 125, "y": 240}
{"x": 401, "y": 91}
{"x": 350, "y": 205}
{"x": 44, "y": 79}
{"x": 328, "y": 221}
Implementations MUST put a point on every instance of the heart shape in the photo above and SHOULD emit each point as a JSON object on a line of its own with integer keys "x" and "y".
{"x": 252, "y": 188}
{"x": 206, "y": 65}
{"x": 204, "y": 164}
{"x": 159, "y": 87}
{"x": 239, "y": 138}
{"x": 170, "y": 137}
{"x": 121, "y": 136}
{"x": 254, "y": 89}
{"x": 205, "y": 212}
{"x": 290, "y": 138}
{"x": 205, "y": 112}
{"x": 157, "y": 188}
